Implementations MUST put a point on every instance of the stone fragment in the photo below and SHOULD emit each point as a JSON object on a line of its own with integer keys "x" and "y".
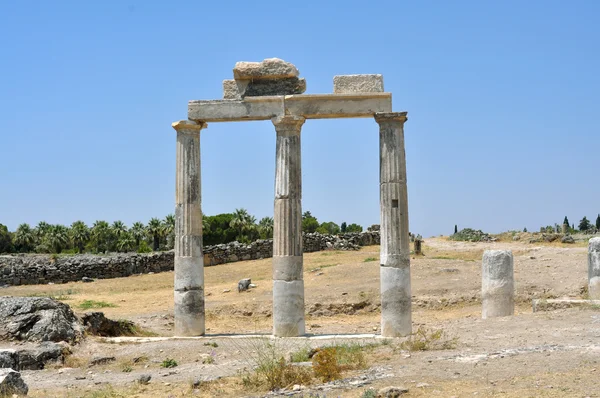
{"x": 233, "y": 89}
{"x": 85, "y": 279}
{"x": 37, "y": 319}
{"x": 12, "y": 383}
{"x": 36, "y": 358}
{"x": 391, "y": 392}
{"x": 594, "y": 269}
{"x": 244, "y": 284}
{"x": 567, "y": 239}
{"x": 497, "y": 284}
{"x": 8, "y": 359}
{"x": 345, "y": 84}
{"x": 269, "y": 68}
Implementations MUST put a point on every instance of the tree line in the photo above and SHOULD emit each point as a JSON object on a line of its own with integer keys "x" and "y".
{"x": 584, "y": 226}
{"x": 156, "y": 235}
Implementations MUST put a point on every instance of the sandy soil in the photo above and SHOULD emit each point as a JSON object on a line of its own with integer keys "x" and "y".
{"x": 529, "y": 355}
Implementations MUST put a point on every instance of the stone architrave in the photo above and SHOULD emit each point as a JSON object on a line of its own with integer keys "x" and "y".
{"x": 395, "y": 241}
{"x": 288, "y": 281}
{"x": 189, "y": 266}
{"x": 594, "y": 269}
{"x": 497, "y": 284}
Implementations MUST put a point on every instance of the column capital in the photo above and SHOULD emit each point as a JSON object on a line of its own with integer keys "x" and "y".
{"x": 188, "y": 126}
{"x": 382, "y": 117}
{"x": 288, "y": 122}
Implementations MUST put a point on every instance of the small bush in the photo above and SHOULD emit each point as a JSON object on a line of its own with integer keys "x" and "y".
{"x": 300, "y": 355}
{"x": 369, "y": 259}
{"x": 212, "y": 344}
{"x": 89, "y": 304}
{"x": 127, "y": 369}
{"x": 425, "y": 340}
{"x": 325, "y": 364}
{"x": 168, "y": 363}
{"x": 144, "y": 248}
{"x": 370, "y": 393}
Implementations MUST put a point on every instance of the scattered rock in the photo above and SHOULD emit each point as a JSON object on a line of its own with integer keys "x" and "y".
{"x": 244, "y": 284}
{"x": 423, "y": 385}
{"x": 37, "y": 319}
{"x": 144, "y": 379}
{"x": 97, "y": 324}
{"x": 567, "y": 239}
{"x": 12, "y": 383}
{"x": 8, "y": 359}
{"x": 226, "y": 290}
{"x": 36, "y": 358}
{"x": 472, "y": 235}
{"x": 85, "y": 279}
{"x": 101, "y": 360}
{"x": 391, "y": 392}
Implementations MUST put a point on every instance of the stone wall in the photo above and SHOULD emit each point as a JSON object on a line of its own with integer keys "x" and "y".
{"x": 27, "y": 269}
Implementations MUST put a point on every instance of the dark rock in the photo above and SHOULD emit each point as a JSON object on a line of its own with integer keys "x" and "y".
{"x": 36, "y": 358}
{"x": 37, "y": 319}
{"x": 12, "y": 383}
{"x": 144, "y": 379}
{"x": 567, "y": 239}
{"x": 101, "y": 360}
{"x": 9, "y": 359}
{"x": 85, "y": 279}
{"x": 391, "y": 392}
{"x": 99, "y": 325}
{"x": 244, "y": 284}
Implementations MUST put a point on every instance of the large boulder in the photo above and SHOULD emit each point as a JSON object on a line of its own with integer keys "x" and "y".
{"x": 38, "y": 319}
{"x": 32, "y": 358}
{"x": 97, "y": 324}
{"x": 12, "y": 383}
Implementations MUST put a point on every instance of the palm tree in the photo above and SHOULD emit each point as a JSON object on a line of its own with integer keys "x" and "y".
{"x": 240, "y": 222}
{"x": 125, "y": 242}
{"x": 118, "y": 228}
{"x": 41, "y": 230}
{"x": 58, "y": 237}
{"x": 80, "y": 235}
{"x": 24, "y": 238}
{"x": 265, "y": 227}
{"x": 101, "y": 234}
{"x": 169, "y": 230}
{"x": 155, "y": 230}
{"x": 138, "y": 232}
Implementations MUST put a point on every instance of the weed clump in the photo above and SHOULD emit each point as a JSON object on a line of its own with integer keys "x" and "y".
{"x": 168, "y": 363}
{"x": 425, "y": 340}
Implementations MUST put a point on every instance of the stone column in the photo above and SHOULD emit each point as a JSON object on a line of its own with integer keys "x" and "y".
{"x": 594, "y": 269}
{"x": 288, "y": 283}
{"x": 189, "y": 264}
{"x": 395, "y": 240}
{"x": 497, "y": 284}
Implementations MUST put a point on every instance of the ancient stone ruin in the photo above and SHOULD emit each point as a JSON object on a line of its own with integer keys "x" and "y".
{"x": 272, "y": 90}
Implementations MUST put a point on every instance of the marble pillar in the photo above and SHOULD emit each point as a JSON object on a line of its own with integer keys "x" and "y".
{"x": 395, "y": 241}
{"x": 497, "y": 284}
{"x": 189, "y": 264}
{"x": 288, "y": 283}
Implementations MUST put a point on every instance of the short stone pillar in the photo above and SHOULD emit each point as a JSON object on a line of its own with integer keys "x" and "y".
{"x": 189, "y": 262}
{"x": 288, "y": 280}
{"x": 395, "y": 241}
{"x": 497, "y": 284}
{"x": 594, "y": 269}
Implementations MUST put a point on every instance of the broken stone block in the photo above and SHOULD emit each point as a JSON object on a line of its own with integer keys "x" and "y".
{"x": 345, "y": 84}
{"x": 12, "y": 383}
{"x": 238, "y": 89}
{"x": 270, "y": 68}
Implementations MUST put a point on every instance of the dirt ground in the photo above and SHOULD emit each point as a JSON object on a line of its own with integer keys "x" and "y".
{"x": 544, "y": 354}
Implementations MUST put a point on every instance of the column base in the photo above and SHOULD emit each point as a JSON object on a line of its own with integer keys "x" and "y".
{"x": 288, "y": 308}
{"x": 594, "y": 288}
{"x": 189, "y": 313}
{"x": 396, "y": 317}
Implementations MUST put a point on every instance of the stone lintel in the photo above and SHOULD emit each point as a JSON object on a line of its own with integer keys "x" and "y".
{"x": 251, "y": 108}
{"x": 329, "y": 106}
{"x": 309, "y": 106}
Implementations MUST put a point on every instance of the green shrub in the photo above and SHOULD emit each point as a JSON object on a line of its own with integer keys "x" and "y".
{"x": 89, "y": 304}
{"x": 168, "y": 363}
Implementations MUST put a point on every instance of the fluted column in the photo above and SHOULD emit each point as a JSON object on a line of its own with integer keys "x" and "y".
{"x": 189, "y": 264}
{"x": 288, "y": 283}
{"x": 395, "y": 249}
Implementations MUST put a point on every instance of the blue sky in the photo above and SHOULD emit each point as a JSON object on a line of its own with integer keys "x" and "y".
{"x": 502, "y": 98}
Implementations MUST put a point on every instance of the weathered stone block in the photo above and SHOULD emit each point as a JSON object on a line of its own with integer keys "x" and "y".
{"x": 344, "y": 84}
{"x": 267, "y": 69}
{"x": 497, "y": 284}
{"x": 287, "y": 86}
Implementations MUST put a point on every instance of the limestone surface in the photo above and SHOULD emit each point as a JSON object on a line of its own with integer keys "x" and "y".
{"x": 270, "y": 68}
{"x": 343, "y": 84}
{"x": 37, "y": 319}
{"x": 12, "y": 383}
